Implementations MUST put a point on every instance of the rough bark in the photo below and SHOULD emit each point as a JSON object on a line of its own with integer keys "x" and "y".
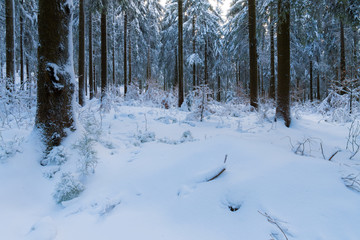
{"x": 56, "y": 78}
{"x": 125, "y": 53}
{"x": 81, "y": 59}
{"x": 10, "y": 44}
{"x": 311, "y": 82}
{"x": 130, "y": 61}
{"x": 103, "y": 49}
{"x": 21, "y": 49}
{"x": 194, "y": 49}
{"x": 180, "y": 54}
{"x": 283, "y": 46}
{"x": 253, "y": 54}
{"x": 91, "y": 78}
{"x": 272, "y": 58}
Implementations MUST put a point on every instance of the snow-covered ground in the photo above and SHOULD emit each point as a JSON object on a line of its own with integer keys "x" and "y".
{"x": 153, "y": 173}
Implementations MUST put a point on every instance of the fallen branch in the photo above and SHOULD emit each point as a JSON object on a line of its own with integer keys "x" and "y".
{"x": 272, "y": 221}
{"x": 334, "y": 154}
{"x": 219, "y": 173}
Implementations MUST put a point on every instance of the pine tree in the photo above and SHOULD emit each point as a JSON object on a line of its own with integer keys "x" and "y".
{"x": 283, "y": 46}
{"x": 253, "y": 54}
{"x": 181, "y": 53}
{"x": 10, "y": 44}
{"x": 81, "y": 53}
{"x": 56, "y": 79}
{"x": 104, "y": 48}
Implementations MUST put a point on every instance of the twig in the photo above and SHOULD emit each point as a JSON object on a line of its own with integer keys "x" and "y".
{"x": 334, "y": 154}
{"x": 217, "y": 175}
{"x": 272, "y": 221}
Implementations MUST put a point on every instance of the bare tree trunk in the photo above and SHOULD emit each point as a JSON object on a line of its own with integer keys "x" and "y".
{"x": 206, "y": 80}
{"x": 181, "y": 56}
{"x": 283, "y": 46}
{"x": 253, "y": 54}
{"x": 125, "y": 53}
{"x": 311, "y": 82}
{"x": 103, "y": 50}
{"x": 176, "y": 77}
{"x": 81, "y": 53}
{"x": 342, "y": 56}
{"x": 218, "y": 87}
{"x": 56, "y": 77}
{"x": 28, "y": 78}
{"x": 10, "y": 44}
{"x": 194, "y": 49}
{"x": 113, "y": 48}
{"x": 130, "y": 73}
{"x": 272, "y": 57}
{"x": 21, "y": 48}
{"x": 91, "y": 78}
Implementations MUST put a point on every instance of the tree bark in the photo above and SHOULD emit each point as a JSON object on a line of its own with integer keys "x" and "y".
{"x": 103, "y": 49}
{"x": 194, "y": 49}
{"x": 180, "y": 54}
{"x": 81, "y": 52}
{"x": 342, "y": 58}
{"x": 91, "y": 78}
{"x": 10, "y": 44}
{"x": 176, "y": 75}
{"x": 272, "y": 57}
{"x": 206, "y": 82}
{"x": 253, "y": 54}
{"x": 283, "y": 46}
{"x": 125, "y": 53}
{"x": 130, "y": 73}
{"x": 311, "y": 82}
{"x": 21, "y": 48}
{"x": 56, "y": 77}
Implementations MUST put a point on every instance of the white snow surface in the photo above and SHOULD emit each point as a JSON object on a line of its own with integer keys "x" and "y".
{"x": 150, "y": 181}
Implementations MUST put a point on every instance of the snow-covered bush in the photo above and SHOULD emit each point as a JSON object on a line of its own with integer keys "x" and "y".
{"x": 9, "y": 148}
{"x": 144, "y": 137}
{"x": 57, "y": 156}
{"x": 87, "y": 154}
{"x": 200, "y": 100}
{"x": 68, "y": 188}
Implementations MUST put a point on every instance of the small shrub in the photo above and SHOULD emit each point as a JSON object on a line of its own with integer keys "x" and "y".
{"x": 68, "y": 188}
{"x": 57, "y": 156}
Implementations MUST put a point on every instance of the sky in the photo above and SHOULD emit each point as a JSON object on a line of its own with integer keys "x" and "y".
{"x": 225, "y": 7}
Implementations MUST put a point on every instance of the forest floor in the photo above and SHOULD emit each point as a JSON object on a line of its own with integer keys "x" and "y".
{"x": 151, "y": 173}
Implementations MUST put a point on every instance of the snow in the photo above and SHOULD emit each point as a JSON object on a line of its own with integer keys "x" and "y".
{"x": 151, "y": 173}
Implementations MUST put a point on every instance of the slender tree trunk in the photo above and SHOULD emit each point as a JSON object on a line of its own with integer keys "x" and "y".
{"x": 91, "y": 78}
{"x": 10, "y": 44}
{"x": 28, "y": 78}
{"x": 56, "y": 77}
{"x": 283, "y": 46}
{"x": 272, "y": 58}
{"x": 181, "y": 56}
{"x": 218, "y": 87}
{"x": 318, "y": 87}
{"x": 113, "y": 48}
{"x": 342, "y": 57}
{"x": 81, "y": 53}
{"x": 21, "y": 48}
{"x": 311, "y": 82}
{"x": 194, "y": 49}
{"x": 125, "y": 53}
{"x": 130, "y": 73}
{"x": 103, "y": 50}
{"x": 253, "y": 54}
{"x": 176, "y": 75}
{"x": 356, "y": 66}
{"x": 206, "y": 80}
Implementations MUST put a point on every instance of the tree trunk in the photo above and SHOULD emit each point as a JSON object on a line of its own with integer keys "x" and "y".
{"x": 318, "y": 87}
{"x": 56, "y": 77}
{"x": 253, "y": 54}
{"x": 91, "y": 78}
{"x": 113, "y": 48}
{"x": 194, "y": 49}
{"x": 180, "y": 54}
{"x": 28, "y": 79}
{"x": 272, "y": 58}
{"x": 342, "y": 57}
{"x": 218, "y": 87}
{"x": 356, "y": 66}
{"x": 21, "y": 49}
{"x": 125, "y": 53}
{"x": 81, "y": 52}
{"x": 283, "y": 46}
{"x": 10, "y": 44}
{"x": 311, "y": 82}
{"x": 103, "y": 50}
{"x": 176, "y": 75}
{"x": 130, "y": 73}
{"x": 206, "y": 80}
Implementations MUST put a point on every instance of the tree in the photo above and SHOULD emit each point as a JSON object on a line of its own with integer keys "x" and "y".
{"x": 181, "y": 53}
{"x": 10, "y": 44}
{"x": 56, "y": 77}
{"x": 91, "y": 77}
{"x": 272, "y": 56}
{"x": 253, "y": 54}
{"x": 103, "y": 49}
{"x": 283, "y": 46}
{"x": 81, "y": 53}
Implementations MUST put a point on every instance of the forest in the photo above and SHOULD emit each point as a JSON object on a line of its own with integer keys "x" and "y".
{"x": 180, "y": 119}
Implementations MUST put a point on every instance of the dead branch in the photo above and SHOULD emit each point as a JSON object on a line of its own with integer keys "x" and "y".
{"x": 334, "y": 154}
{"x": 217, "y": 175}
{"x": 273, "y": 221}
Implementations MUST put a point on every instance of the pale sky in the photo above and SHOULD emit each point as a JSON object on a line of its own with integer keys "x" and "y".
{"x": 225, "y": 7}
